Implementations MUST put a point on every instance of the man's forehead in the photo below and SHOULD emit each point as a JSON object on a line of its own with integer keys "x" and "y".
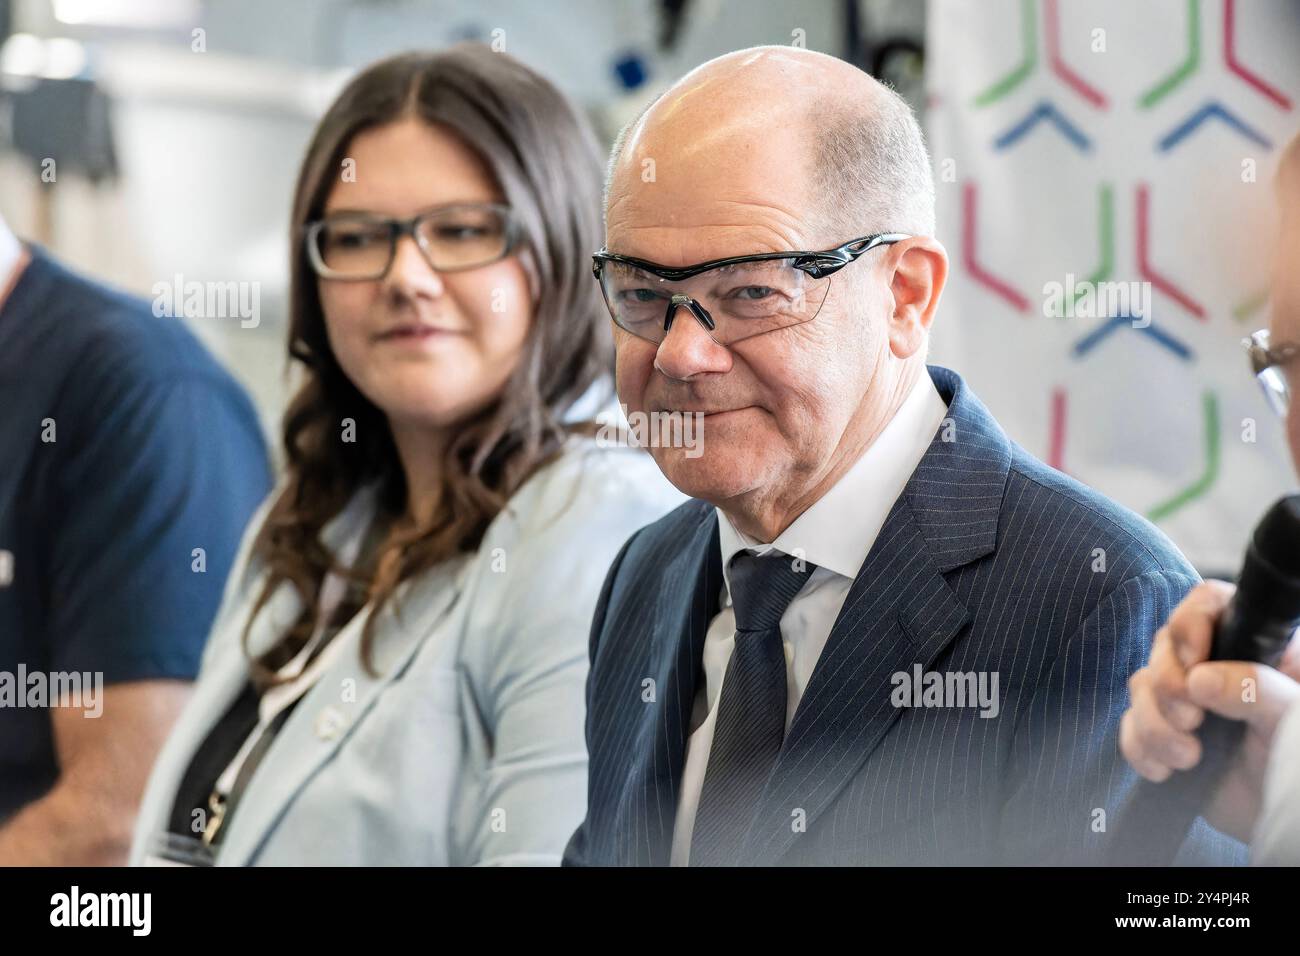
{"x": 690, "y": 143}
{"x": 679, "y": 235}
{"x": 723, "y": 214}
{"x": 680, "y": 248}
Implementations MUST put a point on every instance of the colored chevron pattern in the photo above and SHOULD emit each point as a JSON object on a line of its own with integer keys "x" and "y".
{"x": 1189, "y": 97}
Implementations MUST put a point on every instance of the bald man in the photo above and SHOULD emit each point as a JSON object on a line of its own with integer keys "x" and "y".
{"x": 882, "y": 633}
{"x": 1259, "y": 797}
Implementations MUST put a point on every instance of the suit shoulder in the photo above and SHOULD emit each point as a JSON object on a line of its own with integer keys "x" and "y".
{"x": 667, "y": 532}
{"x": 1050, "y": 504}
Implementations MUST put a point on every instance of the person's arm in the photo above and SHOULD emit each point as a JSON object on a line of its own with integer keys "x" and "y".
{"x": 534, "y": 790}
{"x": 1171, "y": 694}
{"x": 530, "y": 661}
{"x": 86, "y": 819}
{"x": 153, "y": 481}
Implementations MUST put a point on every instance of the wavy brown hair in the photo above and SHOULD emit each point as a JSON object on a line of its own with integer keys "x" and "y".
{"x": 547, "y": 164}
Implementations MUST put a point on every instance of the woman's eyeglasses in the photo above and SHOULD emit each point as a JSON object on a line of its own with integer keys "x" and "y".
{"x": 1269, "y": 362}
{"x": 453, "y": 238}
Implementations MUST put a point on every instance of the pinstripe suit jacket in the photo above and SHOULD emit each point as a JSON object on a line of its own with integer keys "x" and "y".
{"x": 989, "y": 562}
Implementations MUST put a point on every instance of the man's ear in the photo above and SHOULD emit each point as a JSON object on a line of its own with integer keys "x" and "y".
{"x": 920, "y": 270}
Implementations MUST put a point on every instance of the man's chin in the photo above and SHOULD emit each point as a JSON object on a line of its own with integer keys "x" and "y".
{"x": 712, "y": 475}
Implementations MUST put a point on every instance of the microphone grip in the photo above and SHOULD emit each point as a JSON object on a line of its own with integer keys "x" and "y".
{"x": 1251, "y": 633}
{"x": 1157, "y": 816}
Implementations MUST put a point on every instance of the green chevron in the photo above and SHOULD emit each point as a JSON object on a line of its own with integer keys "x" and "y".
{"x": 1252, "y": 305}
{"x": 1106, "y": 239}
{"x": 1185, "y": 69}
{"x": 1029, "y": 58}
{"x": 1211, "y": 473}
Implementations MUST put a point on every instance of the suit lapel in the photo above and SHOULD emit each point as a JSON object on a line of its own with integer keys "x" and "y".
{"x": 226, "y": 672}
{"x": 337, "y": 703}
{"x": 900, "y": 612}
{"x": 688, "y": 599}
{"x": 345, "y": 692}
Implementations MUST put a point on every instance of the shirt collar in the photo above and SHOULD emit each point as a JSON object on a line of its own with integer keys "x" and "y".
{"x": 11, "y": 254}
{"x": 839, "y": 528}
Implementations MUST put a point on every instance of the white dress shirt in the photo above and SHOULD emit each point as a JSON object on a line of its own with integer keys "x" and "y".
{"x": 11, "y": 250}
{"x": 835, "y": 534}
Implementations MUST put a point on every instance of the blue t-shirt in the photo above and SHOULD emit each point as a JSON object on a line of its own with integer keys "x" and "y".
{"x": 130, "y": 462}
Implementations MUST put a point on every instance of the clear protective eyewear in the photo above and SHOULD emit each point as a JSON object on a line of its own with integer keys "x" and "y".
{"x": 733, "y": 298}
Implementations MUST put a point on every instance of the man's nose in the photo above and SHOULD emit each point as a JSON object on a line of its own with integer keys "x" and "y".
{"x": 410, "y": 273}
{"x": 689, "y": 350}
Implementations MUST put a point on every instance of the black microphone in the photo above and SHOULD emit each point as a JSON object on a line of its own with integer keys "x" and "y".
{"x": 1256, "y": 626}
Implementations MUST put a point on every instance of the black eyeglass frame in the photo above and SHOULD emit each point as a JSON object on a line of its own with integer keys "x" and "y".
{"x": 817, "y": 265}
{"x": 397, "y": 228}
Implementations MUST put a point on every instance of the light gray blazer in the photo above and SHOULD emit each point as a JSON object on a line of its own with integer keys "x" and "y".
{"x": 468, "y": 748}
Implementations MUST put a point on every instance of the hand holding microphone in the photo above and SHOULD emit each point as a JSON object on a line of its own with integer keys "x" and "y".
{"x": 1229, "y": 652}
{"x": 1170, "y": 696}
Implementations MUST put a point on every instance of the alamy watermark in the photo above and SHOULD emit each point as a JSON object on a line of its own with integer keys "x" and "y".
{"x": 209, "y": 300}
{"x": 133, "y": 911}
{"x": 65, "y": 689}
{"x": 921, "y": 688}
{"x": 1098, "y": 300}
{"x": 655, "y": 430}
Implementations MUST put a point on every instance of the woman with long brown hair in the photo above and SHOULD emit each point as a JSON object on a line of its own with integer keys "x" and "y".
{"x": 396, "y": 675}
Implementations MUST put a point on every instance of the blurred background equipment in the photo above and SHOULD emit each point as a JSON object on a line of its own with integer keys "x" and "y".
{"x": 210, "y": 103}
{"x": 1100, "y": 142}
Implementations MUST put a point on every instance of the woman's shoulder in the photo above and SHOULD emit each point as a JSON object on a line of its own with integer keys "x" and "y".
{"x": 248, "y": 573}
{"x": 537, "y": 577}
{"x": 590, "y": 483}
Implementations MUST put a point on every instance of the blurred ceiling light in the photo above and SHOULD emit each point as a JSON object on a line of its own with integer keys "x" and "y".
{"x": 22, "y": 55}
{"x": 64, "y": 58}
{"x": 127, "y": 13}
{"x": 56, "y": 59}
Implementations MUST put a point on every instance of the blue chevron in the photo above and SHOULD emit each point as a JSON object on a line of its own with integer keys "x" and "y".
{"x": 1095, "y": 337}
{"x": 1209, "y": 110}
{"x": 1044, "y": 111}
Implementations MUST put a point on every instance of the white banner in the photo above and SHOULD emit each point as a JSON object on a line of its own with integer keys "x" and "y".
{"x": 1105, "y": 178}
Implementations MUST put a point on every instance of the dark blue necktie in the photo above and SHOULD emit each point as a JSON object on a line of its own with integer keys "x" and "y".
{"x": 751, "y": 714}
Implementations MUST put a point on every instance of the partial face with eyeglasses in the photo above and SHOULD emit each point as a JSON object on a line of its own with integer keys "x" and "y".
{"x": 1274, "y": 353}
{"x": 426, "y": 303}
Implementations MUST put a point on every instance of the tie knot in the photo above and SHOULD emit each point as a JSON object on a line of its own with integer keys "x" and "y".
{"x": 763, "y": 587}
